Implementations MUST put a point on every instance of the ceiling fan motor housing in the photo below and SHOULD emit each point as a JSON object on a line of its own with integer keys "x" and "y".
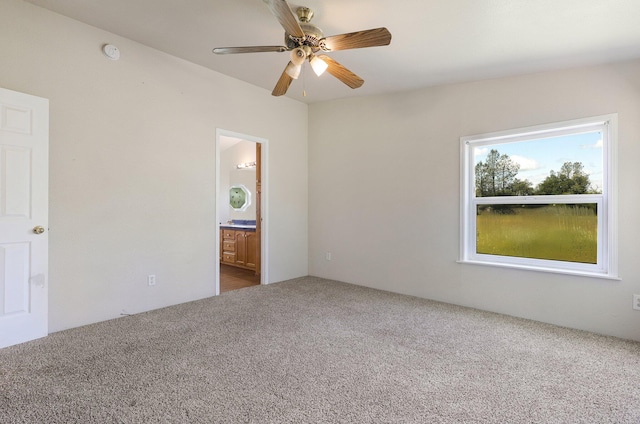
{"x": 312, "y": 37}
{"x": 312, "y": 34}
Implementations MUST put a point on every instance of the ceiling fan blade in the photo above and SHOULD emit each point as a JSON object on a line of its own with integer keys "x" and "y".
{"x": 288, "y": 20}
{"x": 283, "y": 84}
{"x": 356, "y": 40}
{"x": 254, "y": 49}
{"x": 342, "y": 73}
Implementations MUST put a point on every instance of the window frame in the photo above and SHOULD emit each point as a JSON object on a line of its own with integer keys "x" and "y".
{"x": 607, "y": 252}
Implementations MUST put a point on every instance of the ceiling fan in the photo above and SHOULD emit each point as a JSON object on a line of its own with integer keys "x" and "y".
{"x": 305, "y": 41}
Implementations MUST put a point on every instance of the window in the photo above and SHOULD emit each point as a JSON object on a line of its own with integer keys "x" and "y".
{"x": 239, "y": 197}
{"x": 542, "y": 198}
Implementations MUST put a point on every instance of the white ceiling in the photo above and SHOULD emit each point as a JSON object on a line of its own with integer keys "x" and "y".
{"x": 228, "y": 142}
{"x": 434, "y": 41}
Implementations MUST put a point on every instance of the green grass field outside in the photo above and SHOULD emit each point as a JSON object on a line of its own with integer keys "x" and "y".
{"x": 554, "y": 232}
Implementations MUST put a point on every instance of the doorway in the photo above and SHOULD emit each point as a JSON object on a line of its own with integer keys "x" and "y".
{"x": 241, "y": 209}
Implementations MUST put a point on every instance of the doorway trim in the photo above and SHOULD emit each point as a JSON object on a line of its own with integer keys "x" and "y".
{"x": 264, "y": 214}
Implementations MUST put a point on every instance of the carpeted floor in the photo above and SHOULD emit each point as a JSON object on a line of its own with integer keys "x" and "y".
{"x": 317, "y": 351}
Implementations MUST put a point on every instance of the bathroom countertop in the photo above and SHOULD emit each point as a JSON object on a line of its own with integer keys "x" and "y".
{"x": 238, "y": 227}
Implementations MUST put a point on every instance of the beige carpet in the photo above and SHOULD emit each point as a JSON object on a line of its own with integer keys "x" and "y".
{"x": 317, "y": 351}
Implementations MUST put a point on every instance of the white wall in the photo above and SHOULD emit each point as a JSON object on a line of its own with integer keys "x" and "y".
{"x": 132, "y": 166}
{"x": 369, "y": 156}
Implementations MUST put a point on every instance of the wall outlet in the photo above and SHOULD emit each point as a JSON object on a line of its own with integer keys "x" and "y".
{"x": 151, "y": 280}
{"x": 636, "y": 302}
{"x": 327, "y": 256}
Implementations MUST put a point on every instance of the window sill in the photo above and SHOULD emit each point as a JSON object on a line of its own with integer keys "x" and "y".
{"x": 543, "y": 269}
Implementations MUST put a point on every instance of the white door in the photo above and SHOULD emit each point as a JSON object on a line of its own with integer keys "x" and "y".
{"x": 24, "y": 174}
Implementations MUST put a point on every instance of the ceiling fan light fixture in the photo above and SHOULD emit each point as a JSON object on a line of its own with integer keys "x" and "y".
{"x": 298, "y": 55}
{"x": 318, "y": 65}
{"x": 293, "y": 70}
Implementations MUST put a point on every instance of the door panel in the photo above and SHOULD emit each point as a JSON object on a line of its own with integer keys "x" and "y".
{"x": 24, "y": 139}
{"x": 14, "y": 278}
{"x": 251, "y": 241}
{"x": 241, "y": 248}
{"x": 16, "y": 173}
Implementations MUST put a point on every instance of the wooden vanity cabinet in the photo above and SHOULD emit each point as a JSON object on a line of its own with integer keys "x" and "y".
{"x": 239, "y": 248}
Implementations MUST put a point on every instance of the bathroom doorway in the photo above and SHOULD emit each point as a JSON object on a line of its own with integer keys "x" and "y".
{"x": 240, "y": 211}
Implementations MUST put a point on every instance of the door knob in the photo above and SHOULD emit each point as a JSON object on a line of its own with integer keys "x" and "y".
{"x": 38, "y": 230}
